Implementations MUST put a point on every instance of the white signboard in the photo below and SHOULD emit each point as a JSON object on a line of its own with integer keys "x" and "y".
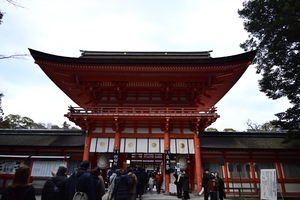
{"x": 268, "y": 184}
{"x": 9, "y": 166}
{"x": 44, "y": 168}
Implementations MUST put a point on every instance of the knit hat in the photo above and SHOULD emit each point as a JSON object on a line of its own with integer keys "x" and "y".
{"x": 206, "y": 170}
{"x": 85, "y": 164}
{"x": 62, "y": 169}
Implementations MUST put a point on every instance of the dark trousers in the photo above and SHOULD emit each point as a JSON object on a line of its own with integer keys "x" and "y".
{"x": 139, "y": 190}
{"x": 206, "y": 194}
{"x": 213, "y": 195}
{"x": 179, "y": 190}
{"x": 186, "y": 195}
{"x": 158, "y": 188}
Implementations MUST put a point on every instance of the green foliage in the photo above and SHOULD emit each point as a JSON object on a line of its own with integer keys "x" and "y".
{"x": 16, "y": 121}
{"x": 274, "y": 28}
{"x": 229, "y": 130}
{"x": 265, "y": 127}
{"x": 211, "y": 129}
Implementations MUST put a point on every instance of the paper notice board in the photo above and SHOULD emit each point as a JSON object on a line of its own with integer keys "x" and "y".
{"x": 44, "y": 168}
{"x": 268, "y": 184}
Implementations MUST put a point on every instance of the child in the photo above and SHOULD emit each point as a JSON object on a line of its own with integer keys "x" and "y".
{"x": 150, "y": 183}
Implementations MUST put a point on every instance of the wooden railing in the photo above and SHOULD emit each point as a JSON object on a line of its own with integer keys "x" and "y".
{"x": 185, "y": 111}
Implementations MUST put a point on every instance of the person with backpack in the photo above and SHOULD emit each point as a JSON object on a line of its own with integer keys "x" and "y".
{"x": 81, "y": 182}
{"x": 132, "y": 190}
{"x": 55, "y": 187}
{"x": 98, "y": 183}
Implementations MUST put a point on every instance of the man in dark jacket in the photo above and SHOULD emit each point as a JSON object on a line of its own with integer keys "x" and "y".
{"x": 81, "y": 180}
{"x": 140, "y": 184}
{"x": 121, "y": 189}
{"x": 205, "y": 179}
{"x": 55, "y": 187}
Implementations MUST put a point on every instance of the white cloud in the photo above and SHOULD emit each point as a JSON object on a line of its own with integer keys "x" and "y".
{"x": 65, "y": 27}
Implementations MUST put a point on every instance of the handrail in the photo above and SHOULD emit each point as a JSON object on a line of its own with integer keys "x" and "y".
{"x": 136, "y": 110}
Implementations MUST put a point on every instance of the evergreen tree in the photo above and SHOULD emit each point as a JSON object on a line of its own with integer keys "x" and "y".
{"x": 274, "y": 27}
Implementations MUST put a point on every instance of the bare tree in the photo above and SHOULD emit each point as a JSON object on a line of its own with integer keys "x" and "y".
{"x": 16, "y": 55}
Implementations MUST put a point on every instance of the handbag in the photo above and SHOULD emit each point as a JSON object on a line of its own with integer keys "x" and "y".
{"x": 80, "y": 196}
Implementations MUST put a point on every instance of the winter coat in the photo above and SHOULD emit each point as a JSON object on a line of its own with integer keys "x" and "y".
{"x": 133, "y": 189}
{"x": 176, "y": 182}
{"x": 141, "y": 178}
{"x": 21, "y": 193}
{"x": 212, "y": 185}
{"x": 158, "y": 179}
{"x": 84, "y": 183}
{"x": 60, "y": 182}
{"x": 112, "y": 183}
{"x": 185, "y": 182}
{"x": 206, "y": 178}
{"x": 121, "y": 191}
{"x": 99, "y": 189}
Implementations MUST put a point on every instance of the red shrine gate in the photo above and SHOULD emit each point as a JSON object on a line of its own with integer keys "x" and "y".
{"x": 144, "y": 106}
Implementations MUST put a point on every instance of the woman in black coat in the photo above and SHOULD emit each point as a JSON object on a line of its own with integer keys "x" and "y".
{"x": 185, "y": 185}
{"x": 178, "y": 182}
{"x": 221, "y": 187}
{"x": 20, "y": 188}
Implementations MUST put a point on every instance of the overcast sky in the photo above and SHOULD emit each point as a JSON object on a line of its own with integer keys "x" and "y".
{"x": 65, "y": 27}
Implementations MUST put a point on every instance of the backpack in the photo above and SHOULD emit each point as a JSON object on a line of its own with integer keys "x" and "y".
{"x": 130, "y": 182}
{"x": 80, "y": 196}
{"x": 54, "y": 192}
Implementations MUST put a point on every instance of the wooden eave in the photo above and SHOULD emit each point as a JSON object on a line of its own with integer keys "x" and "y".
{"x": 188, "y": 74}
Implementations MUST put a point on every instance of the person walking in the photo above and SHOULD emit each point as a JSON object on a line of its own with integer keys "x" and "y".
{"x": 213, "y": 188}
{"x": 140, "y": 185}
{"x": 81, "y": 180}
{"x": 178, "y": 183}
{"x": 132, "y": 191}
{"x": 110, "y": 191}
{"x": 221, "y": 187}
{"x": 206, "y": 177}
{"x": 55, "y": 187}
{"x": 158, "y": 182}
{"x": 151, "y": 183}
{"x": 98, "y": 183}
{"x": 121, "y": 189}
{"x": 185, "y": 185}
{"x": 20, "y": 188}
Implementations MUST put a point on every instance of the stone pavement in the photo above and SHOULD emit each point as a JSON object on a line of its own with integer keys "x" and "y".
{"x": 155, "y": 196}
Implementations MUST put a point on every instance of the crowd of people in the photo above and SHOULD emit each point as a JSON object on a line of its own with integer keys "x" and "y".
{"x": 144, "y": 182}
{"x": 129, "y": 184}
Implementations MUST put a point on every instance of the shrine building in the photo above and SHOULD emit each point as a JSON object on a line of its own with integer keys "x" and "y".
{"x": 144, "y": 108}
{"x": 150, "y": 110}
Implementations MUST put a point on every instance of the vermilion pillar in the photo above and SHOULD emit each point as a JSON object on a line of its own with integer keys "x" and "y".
{"x": 167, "y": 148}
{"x": 117, "y": 140}
{"x": 87, "y": 144}
{"x": 198, "y": 169}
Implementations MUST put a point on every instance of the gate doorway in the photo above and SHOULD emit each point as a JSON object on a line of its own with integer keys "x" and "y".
{"x": 147, "y": 161}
